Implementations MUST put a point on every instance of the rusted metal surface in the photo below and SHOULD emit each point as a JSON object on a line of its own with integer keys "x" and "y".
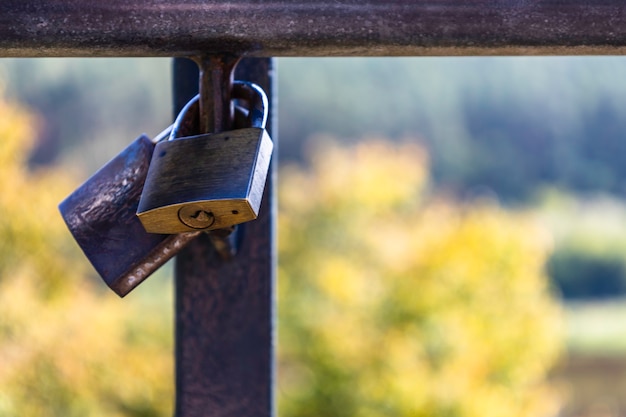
{"x": 311, "y": 27}
{"x": 216, "y": 80}
{"x": 101, "y": 216}
{"x": 225, "y": 308}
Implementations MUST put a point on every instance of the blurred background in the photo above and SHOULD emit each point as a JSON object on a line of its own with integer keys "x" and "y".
{"x": 450, "y": 239}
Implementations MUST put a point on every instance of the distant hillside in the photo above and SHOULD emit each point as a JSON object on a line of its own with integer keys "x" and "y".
{"x": 492, "y": 125}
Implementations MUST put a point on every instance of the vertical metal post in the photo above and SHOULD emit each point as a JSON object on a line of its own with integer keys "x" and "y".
{"x": 225, "y": 309}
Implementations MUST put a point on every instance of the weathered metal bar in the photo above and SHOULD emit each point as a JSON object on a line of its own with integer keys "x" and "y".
{"x": 311, "y": 27}
{"x": 225, "y": 308}
{"x": 216, "y": 76}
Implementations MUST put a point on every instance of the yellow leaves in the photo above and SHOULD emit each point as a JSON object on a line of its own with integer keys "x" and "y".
{"x": 357, "y": 179}
{"x": 345, "y": 283}
{"x": 369, "y": 174}
{"x": 79, "y": 344}
{"x": 409, "y": 307}
{"x": 32, "y": 232}
{"x": 66, "y": 347}
{"x": 18, "y": 133}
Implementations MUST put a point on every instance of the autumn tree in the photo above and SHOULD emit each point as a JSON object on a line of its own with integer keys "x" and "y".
{"x": 66, "y": 347}
{"x": 391, "y": 303}
{"x": 394, "y": 304}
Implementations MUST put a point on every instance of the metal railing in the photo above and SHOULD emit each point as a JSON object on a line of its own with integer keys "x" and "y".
{"x": 225, "y": 310}
{"x": 311, "y": 27}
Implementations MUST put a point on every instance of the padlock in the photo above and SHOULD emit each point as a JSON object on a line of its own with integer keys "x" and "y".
{"x": 208, "y": 181}
{"x": 100, "y": 214}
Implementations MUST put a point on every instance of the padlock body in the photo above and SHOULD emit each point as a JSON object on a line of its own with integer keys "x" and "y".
{"x": 218, "y": 175}
{"x": 101, "y": 215}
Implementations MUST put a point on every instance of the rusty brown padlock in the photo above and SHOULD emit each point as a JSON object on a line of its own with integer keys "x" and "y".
{"x": 208, "y": 181}
{"x": 101, "y": 214}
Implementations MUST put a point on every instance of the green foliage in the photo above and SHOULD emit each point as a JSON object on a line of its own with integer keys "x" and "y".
{"x": 90, "y": 107}
{"x": 589, "y": 259}
{"x": 503, "y": 125}
{"x": 580, "y": 274}
{"x": 508, "y": 124}
{"x": 393, "y": 305}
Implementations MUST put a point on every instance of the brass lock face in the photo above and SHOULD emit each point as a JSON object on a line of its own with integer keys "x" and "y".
{"x": 209, "y": 181}
{"x": 206, "y": 182}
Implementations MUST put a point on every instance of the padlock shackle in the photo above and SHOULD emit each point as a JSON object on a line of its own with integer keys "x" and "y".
{"x": 192, "y": 107}
{"x": 242, "y": 90}
{"x": 257, "y": 98}
{"x": 165, "y": 134}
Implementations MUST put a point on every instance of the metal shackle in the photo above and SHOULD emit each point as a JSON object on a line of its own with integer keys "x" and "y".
{"x": 251, "y": 93}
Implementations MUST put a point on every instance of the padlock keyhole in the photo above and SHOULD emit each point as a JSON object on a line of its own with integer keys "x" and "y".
{"x": 195, "y": 217}
{"x": 202, "y": 216}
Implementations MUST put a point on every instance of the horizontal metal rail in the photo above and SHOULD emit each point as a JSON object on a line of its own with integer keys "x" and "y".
{"x": 311, "y": 27}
